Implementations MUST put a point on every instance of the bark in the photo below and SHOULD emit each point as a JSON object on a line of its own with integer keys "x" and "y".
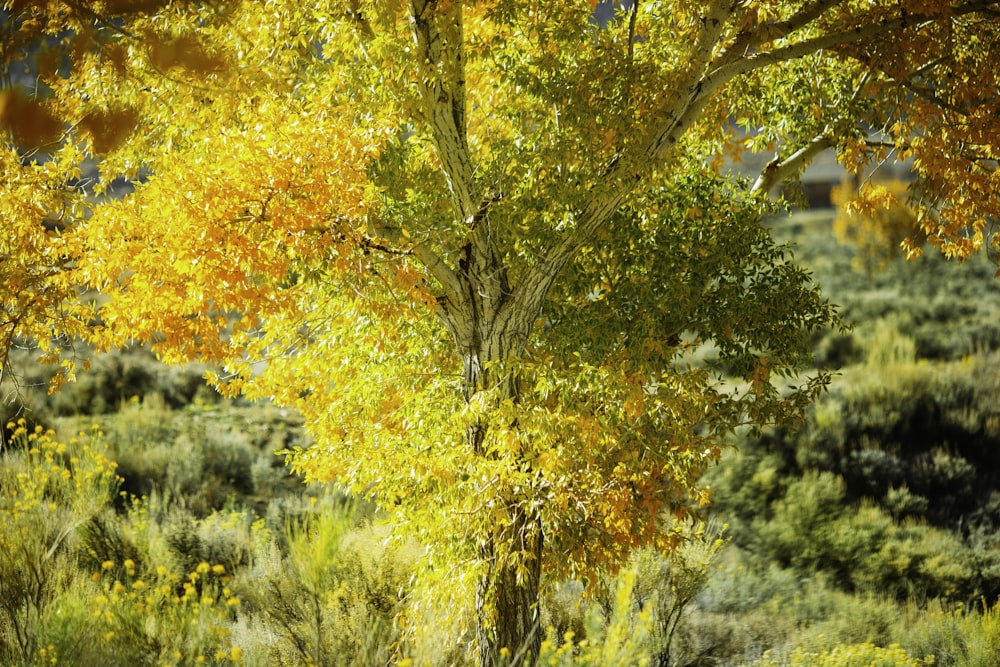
{"x": 489, "y": 325}
{"x": 507, "y": 629}
{"x": 490, "y": 328}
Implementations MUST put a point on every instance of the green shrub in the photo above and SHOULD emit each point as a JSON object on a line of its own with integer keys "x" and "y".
{"x": 858, "y": 655}
{"x": 803, "y": 530}
{"x": 663, "y": 589}
{"x": 47, "y": 490}
{"x": 622, "y": 638}
{"x": 329, "y": 595}
{"x": 737, "y": 587}
{"x": 960, "y": 636}
{"x": 161, "y": 616}
{"x": 200, "y": 458}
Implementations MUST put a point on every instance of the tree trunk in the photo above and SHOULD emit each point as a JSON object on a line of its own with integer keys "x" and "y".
{"x": 508, "y": 633}
{"x": 490, "y": 328}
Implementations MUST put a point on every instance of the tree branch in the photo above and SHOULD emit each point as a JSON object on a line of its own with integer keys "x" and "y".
{"x": 752, "y": 38}
{"x": 607, "y": 196}
{"x": 778, "y": 170}
{"x": 438, "y": 268}
{"x": 806, "y": 47}
{"x": 694, "y": 95}
{"x": 671, "y": 131}
{"x": 438, "y": 34}
{"x": 712, "y": 25}
{"x": 425, "y": 254}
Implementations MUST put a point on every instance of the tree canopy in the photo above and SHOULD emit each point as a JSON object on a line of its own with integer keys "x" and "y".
{"x": 483, "y": 247}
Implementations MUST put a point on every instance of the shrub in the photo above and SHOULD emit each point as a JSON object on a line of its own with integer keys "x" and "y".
{"x": 47, "y": 490}
{"x": 961, "y": 636}
{"x": 858, "y": 655}
{"x": 200, "y": 458}
{"x": 331, "y": 597}
{"x": 670, "y": 583}
{"x": 163, "y": 617}
{"x": 17, "y": 405}
{"x": 622, "y": 638}
{"x": 663, "y": 588}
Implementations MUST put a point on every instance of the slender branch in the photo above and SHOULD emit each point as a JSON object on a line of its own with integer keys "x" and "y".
{"x": 608, "y": 195}
{"x": 777, "y": 170}
{"x": 713, "y": 23}
{"x": 757, "y": 35}
{"x": 629, "y": 63}
{"x": 881, "y": 143}
{"x": 631, "y": 31}
{"x": 833, "y": 40}
{"x": 425, "y": 254}
{"x": 929, "y": 94}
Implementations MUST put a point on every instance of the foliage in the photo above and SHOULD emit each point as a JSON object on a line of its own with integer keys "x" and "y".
{"x": 329, "y": 602}
{"x": 861, "y": 655}
{"x": 621, "y": 639}
{"x": 958, "y": 636}
{"x": 744, "y": 610}
{"x": 668, "y": 584}
{"x": 878, "y": 235}
{"x": 163, "y": 617}
{"x": 155, "y": 585}
{"x": 47, "y": 491}
{"x": 946, "y": 308}
{"x": 38, "y": 199}
{"x": 203, "y": 457}
{"x": 473, "y": 242}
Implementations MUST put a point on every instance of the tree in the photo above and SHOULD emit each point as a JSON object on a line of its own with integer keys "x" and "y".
{"x": 478, "y": 244}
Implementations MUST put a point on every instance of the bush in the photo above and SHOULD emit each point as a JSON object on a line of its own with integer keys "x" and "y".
{"x": 962, "y": 636}
{"x": 161, "y": 616}
{"x": 662, "y": 588}
{"x": 47, "y": 490}
{"x": 858, "y": 655}
{"x": 622, "y": 638}
{"x": 200, "y": 458}
{"x": 329, "y": 596}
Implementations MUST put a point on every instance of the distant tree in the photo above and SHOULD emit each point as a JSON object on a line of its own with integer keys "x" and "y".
{"x": 473, "y": 242}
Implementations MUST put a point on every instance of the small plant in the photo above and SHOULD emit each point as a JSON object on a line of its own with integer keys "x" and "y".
{"x": 328, "y": 594}
{"x": 622, "y": 638}
{"x": 162, "y": 617}
{"x": 48, "y": 489}
{"x": 858, "y": 655}
{"x": 670, "y": 583}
